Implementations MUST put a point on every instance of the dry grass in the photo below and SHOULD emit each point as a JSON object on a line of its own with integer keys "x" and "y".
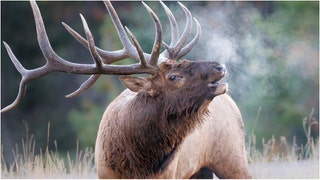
{"x": 48, "y": 164}
{"x": 278, "y": 159}
{"x": 280, "y": 150}
{"x": 281, "y": 159}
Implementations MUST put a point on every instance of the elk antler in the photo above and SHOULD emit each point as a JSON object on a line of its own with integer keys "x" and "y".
{"x": 147, "y": 63}
{"x": 176, "y": 50}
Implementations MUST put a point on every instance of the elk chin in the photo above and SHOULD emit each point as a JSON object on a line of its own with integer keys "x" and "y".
{"x": 217, "y": 88}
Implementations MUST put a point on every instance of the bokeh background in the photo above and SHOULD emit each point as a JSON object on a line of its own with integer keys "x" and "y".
{"x": 271, "y": 50}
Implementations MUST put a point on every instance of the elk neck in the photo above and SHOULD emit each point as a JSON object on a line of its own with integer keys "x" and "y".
{"x": 157, "y": 127}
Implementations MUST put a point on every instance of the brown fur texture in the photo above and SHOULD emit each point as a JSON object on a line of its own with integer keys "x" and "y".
{"x": 166, "y": 126}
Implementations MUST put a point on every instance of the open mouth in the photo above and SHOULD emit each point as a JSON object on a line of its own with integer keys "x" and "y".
{"x": 218, "y": 88}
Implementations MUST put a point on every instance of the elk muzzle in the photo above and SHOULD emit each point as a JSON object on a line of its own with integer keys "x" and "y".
{"x": 216, "y": 87}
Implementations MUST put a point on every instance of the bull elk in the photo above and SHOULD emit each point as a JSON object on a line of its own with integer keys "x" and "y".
{"x": 178, "y": 122}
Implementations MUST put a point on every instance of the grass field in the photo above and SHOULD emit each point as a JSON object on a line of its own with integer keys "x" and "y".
{"x": 277, "y": 159}
{"x": 51, "y": 165}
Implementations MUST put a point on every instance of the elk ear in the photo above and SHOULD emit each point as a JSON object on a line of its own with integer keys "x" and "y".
{"x": 135, "y": 84}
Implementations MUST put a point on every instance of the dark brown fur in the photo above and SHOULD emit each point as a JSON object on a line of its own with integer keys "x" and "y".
{"x": 156, "y": 125}
{"x": 147, "y": 143}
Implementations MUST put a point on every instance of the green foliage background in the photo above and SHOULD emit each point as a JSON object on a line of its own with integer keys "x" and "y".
{"x": 271, "y": 50}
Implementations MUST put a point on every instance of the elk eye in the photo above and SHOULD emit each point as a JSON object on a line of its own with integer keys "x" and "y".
{"x": 173, "y": 77}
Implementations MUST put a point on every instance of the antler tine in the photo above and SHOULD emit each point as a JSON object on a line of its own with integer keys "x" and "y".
{"x": 108, "y": 57}
{"x": 187, "y": 30}
{"x": 129, "y": 49}
{"x": 174, "y": 34}
{"x": 158, "y": 40}
{"x": 91, "y": 44}
{"x": 98, "y": 61}
{"x": 28, "y": 75}
{"x": 173, "y": 24}
{"x": 22, "y": 86}
{"x": 186, "y": 49}
{"x": 143, "y": 61}
{"x": 84, "y": 86}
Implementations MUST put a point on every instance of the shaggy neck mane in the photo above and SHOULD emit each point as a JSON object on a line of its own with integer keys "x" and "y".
{"x": 158, "y": 126}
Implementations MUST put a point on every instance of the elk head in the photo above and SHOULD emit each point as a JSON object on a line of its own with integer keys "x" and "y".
{"x": 168, "y": 76}
{"x": 187, "y": 78}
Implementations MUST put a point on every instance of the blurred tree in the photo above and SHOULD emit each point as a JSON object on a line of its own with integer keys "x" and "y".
{"x": 290, "y": 39}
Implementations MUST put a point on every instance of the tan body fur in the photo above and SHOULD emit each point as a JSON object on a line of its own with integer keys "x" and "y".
{"x": 217, "y": 143}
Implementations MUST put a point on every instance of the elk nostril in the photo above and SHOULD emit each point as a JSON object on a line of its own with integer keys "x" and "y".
{"x": 221, "y": 68}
